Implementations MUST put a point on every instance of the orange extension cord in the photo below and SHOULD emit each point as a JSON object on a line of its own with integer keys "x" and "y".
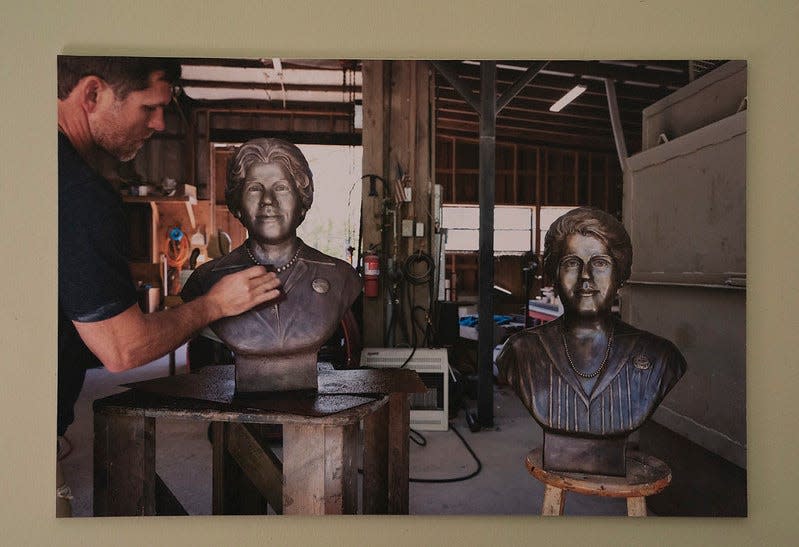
{"x": 177, "y": 252}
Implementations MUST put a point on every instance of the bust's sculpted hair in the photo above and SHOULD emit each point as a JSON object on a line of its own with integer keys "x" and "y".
{"x": 588, "y": 221}
{"x": 276, "y": 151}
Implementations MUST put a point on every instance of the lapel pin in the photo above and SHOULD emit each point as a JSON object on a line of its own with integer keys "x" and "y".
{"x": 642, "y": 362}
{"x": 320, "y": 285}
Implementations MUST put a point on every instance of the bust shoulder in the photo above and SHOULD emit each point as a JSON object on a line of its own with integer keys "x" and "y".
{"x": 535, "y": 338}
{"x": 654, "y": 349}
{"x": 340, "y": 273}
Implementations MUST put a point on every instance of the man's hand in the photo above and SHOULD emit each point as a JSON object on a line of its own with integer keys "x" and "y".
{"x": 238, "y": 292}
{"x": 132, "y": 338}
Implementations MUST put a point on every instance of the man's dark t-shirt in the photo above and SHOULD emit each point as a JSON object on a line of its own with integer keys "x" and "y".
{"x": 94, "y": 281}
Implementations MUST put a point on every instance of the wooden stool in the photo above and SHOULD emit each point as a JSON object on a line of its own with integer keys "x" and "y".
{"x": 646, "y": 475}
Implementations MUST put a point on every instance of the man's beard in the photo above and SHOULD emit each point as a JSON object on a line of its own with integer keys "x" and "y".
{"x": 109, "y": 136}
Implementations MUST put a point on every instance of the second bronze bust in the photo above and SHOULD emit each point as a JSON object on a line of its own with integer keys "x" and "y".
{"x": 588, "y": 378}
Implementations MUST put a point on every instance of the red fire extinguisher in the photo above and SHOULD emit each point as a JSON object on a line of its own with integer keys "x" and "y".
{"x": 371, "y": 274}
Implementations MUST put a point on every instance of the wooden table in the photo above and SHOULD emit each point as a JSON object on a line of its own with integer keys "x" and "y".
{"x": 318, "y": 472}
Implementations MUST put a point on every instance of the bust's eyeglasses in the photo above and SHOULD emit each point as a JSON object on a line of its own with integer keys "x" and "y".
{"x": 597, "y": 264}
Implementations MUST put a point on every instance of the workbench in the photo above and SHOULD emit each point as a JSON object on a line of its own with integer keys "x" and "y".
{"x": 318, "y": 471}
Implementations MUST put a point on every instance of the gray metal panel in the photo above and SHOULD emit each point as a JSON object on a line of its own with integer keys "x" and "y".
{"x": 685, "y": 203}
{"x": 714, "y": 96}
{"x": 709, "y": 327}
{"x": 685, "y": 209}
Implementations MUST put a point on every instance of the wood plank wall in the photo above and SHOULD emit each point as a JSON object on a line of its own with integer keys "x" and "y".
{"x": 397, "y": 130}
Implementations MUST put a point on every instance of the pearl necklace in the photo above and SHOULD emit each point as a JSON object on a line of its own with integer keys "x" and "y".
{"x": 601, "y": 366}
{"x": 283, "y": 268}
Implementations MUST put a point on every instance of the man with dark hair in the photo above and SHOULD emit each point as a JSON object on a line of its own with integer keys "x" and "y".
{"x": 123, "y": 74}
{"x": 111, "y": 106}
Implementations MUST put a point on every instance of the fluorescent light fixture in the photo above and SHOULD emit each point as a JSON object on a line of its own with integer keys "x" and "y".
{"x": 502, "y": 290}
{"x": 572, "y": 94}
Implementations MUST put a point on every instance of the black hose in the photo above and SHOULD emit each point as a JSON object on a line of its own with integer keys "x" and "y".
{"x": 411, "y": 277}
{"x": 456, "y": 479}
{"x": 421, "y": 441}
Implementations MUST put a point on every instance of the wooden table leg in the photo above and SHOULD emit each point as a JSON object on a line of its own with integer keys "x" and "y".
{"x": 124, "y": 465}
{"x": 233, "y": 493}
{"x": 375, "y": 462}
{"x": 319, "y": 469}
{"x": 399, "y": 425}
{"x": 554, "y": 500}
{"x": 636, "y": 507}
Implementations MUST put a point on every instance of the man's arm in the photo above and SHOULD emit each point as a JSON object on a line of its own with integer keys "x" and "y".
{"x": 132, "y": 338}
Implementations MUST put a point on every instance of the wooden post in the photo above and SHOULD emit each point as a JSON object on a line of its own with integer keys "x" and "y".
{"x": 375, "y": 462}
{"x": 124, "y": 465}
{"x": 399, "y": 425}
{"x": 375, "y": 128}
{"x": 485, "y": 328}
{"x": 319, "y": 469}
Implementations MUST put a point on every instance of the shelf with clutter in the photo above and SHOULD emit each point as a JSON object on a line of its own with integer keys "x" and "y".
{"x": 168, "y": 234}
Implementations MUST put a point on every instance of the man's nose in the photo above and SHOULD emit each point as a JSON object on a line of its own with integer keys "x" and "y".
{"x": 157, "y": 120}
{"x": 585, "y": 271}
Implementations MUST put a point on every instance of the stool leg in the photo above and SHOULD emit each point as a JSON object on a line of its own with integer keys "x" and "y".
{"x": 554, "y": 499}
{"x": 636, "y": 507}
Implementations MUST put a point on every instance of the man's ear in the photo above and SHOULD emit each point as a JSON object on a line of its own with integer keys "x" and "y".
{"x": 91, "y": 87}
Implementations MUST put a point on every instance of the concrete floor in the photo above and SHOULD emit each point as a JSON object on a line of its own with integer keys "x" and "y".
{"x": 183, "y": 459}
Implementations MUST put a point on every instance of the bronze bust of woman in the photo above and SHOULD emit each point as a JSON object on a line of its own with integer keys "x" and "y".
{"x": 270, "y": 189}
{"x": 588, "y": 378}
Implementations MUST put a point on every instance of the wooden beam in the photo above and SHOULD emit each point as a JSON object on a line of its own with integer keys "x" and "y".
{"x": 270, "y": 86}
{"x": 615, "y": 121}
{"x": 541, "y": 106}
{"x": 232, "y": 492}
{"x": 452, "y": 77}
{"x": 453, "y": 114}
{"x": 258, "y": 462}
{"x": 166, "y": 504}
{"x": 446, "y": 122}
{"x": 296, "y": 137}
{"x": 535, "y": 138}
{"x": 519, "y": 84}
{"x": 236, "y": 63}
{"x": 262, "y": 108}
{"x": 615, "y": 70}
{"x": 619, "y": 73}
{"x": 559, "y": 84}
